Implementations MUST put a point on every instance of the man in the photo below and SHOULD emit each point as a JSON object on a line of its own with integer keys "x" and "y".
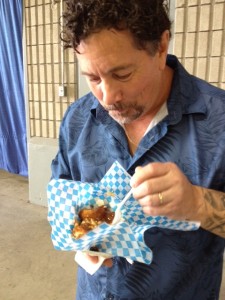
{"x": 166, "y": 128}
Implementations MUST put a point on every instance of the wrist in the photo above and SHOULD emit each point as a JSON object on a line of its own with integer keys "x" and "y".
{"x": 200, "y": 211}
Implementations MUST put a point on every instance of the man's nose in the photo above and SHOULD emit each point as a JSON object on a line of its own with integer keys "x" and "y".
{"x": 111, "y": 93}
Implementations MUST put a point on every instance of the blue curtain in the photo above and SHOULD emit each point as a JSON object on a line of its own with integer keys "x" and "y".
{"x": 13, "y": 140}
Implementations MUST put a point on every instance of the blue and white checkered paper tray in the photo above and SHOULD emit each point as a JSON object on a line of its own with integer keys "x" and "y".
{"x": 66, "y": 198}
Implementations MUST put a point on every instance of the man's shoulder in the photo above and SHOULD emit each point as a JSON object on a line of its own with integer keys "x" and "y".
{"x": 191, "y": 84}
{"x": 210, "y": 96}
{"x": 209, "y": 89}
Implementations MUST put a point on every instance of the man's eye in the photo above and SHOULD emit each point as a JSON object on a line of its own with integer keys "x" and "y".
{"x": 122, "y": 77}
{"x": 94, "y": 79}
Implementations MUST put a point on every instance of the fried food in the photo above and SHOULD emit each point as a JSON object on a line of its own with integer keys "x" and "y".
{"x": 90, "y": 218}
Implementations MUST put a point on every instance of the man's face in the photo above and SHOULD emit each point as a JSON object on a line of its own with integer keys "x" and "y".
{"x": 127, "y": 82}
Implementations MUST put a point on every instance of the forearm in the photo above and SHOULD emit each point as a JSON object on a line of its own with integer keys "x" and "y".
{"x": 212, "y": 211}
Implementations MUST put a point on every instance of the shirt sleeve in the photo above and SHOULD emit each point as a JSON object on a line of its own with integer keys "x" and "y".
{"x": 60, "y": 165}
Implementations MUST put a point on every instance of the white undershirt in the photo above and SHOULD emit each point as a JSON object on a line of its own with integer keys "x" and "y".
{"x": 162, "y": 113}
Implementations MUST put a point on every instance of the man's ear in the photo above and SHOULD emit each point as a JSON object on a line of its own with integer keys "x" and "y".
{"x": 163, "y": 49}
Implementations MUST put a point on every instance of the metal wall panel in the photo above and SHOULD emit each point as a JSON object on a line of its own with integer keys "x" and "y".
{"x": 199, "y": 38}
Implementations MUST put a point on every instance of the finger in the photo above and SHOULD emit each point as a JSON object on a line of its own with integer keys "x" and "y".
{"x": 152, "y": 170}
{"x": 158, "y": 206}
{"x": 92, "y": 259}
{"x": 161, "y": 198}
{"x": 154, "y": 200}
{"x": 155, "y": 211}
{"x": 158, "y": 200}
{"x": 151, "y": 187}
{"x": 108, "y": 262}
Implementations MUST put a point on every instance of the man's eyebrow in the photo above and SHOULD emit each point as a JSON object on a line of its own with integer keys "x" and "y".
{"x": 119, "y": 68}
{"x": 115, "y": 69}
{"x": 86, "y": 73}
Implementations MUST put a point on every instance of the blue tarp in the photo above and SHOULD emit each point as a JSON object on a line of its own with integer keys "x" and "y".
{"x": 13, "y": 138}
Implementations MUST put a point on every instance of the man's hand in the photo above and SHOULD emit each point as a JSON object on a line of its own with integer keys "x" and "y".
{"x": 95, "y": 260}
{"x": 91, "y": 263}
{"x": 162, "y": 189}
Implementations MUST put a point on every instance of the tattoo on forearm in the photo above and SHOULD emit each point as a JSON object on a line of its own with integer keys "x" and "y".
{"x": 215, "y": 212}
{"x": 216, "y": 224}
{"x": 215, "y": 199}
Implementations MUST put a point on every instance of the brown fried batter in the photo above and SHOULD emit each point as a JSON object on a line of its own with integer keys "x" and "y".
{"x": 91, "y": 218}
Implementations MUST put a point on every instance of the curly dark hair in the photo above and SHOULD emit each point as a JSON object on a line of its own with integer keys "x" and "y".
{"x": 145, "y": 19}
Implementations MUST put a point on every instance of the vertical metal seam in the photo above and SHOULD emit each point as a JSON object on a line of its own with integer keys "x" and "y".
{"x": 60, "y": 64}
{"x": 38, "y": 71}
{"x": 51, "y": 63}
{"x": 209, "y": 42}
{"x": 222, "y": 52}
{"x": 185, "y": 21}
{"x": 196, "y": 39}
{"x": 45, "y": 70}
{"x": 30, "y": 80}
{"x": 52, "y": 67}
{"x": 46, "y": 100}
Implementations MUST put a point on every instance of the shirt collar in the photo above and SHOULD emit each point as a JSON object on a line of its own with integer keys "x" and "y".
{"x": 100, "y": 113}
{"x": 185, "y": 97}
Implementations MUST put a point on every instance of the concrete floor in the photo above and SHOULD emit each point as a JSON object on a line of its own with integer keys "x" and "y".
{"x": 30, "y": 268}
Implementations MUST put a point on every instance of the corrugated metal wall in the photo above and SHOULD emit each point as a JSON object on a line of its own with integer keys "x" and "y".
{"x": 199, "y": 38}
{"x": 45, "y": 63}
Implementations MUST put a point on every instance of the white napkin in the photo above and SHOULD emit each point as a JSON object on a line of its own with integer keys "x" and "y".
{"x": 88, "y": 265}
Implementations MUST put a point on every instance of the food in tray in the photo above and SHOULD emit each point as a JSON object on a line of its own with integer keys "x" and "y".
{"x": 91, "y": 218}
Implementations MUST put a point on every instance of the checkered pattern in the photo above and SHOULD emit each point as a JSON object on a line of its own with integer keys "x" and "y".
{"x": 66, "y": 198}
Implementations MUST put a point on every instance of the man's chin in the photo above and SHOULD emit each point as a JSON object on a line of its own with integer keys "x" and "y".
{"x": 125, "y": 116}
{"x": 122, "y": 120}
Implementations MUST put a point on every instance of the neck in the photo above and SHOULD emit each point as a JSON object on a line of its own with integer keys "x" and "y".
{"x": 136, "y": 130}
{"x": 134, "y": 135}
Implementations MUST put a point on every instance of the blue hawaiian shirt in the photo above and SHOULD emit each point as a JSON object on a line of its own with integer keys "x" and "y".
{"x": 186, "y": 265}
